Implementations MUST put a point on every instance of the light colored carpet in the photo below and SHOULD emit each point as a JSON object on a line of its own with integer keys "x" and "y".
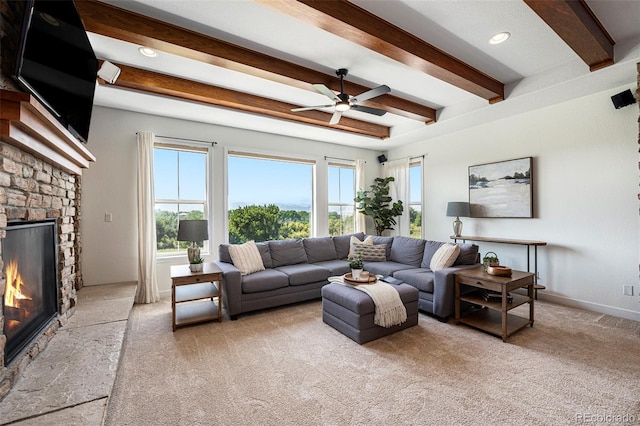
{"x": 286, "y": 367}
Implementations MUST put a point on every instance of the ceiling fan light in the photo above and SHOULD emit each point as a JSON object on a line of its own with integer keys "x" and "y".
{"x": 148, "y": 52}
{"x": 342, "y": 107}
{"x": 499, "y": 38}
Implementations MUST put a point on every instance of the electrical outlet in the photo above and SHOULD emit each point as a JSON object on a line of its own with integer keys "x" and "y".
{"x": 627, "y": 290}
{"x": 108, "y": 217}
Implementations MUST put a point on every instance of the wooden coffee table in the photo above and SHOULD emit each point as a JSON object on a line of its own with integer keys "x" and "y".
{"x": 494, "y": 317}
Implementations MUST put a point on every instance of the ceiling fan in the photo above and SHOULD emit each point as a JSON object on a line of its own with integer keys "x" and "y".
{"x": 343, "y": 102}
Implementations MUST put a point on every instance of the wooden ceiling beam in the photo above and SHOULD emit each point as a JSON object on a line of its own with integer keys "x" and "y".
{"x": 111, "y": 21}
{"x": 165, "y": 85}
{"x": 353, "y": 23}
{"x": 577, "y": 25}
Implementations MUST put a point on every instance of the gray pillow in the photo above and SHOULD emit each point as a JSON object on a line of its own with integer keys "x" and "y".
{"x": 287, "y": 252}
{"x": 468, "y": 254}
{"x": 319, "y": 249}
{"x": 430, "y": 248}
{"x": 384, "y": 240}
{"x": 409, "y": 251}
{"x": 343, "y": 244}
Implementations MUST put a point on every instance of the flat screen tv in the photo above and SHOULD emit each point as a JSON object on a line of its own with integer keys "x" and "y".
{"x": 56, "y": 63}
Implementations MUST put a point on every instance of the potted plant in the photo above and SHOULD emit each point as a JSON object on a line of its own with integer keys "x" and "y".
{"x": 355, "y": 263}
{"x": 195, "y": 264}
{"x": 377, "y": 204}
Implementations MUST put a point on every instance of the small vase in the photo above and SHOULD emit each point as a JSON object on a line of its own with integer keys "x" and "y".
{"x": 355, "y": 273}
{"x": 195, "y": 267}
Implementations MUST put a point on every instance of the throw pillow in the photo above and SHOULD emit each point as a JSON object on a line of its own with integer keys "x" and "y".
{"x": 444, "y": 257}
{"x": 355, "y": 240}
{"x": 371, "y": 253}
{"x": 246, "y": 257}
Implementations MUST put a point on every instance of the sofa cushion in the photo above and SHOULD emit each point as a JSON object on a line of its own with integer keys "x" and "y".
{"x": 343, "y": 243}
{"x": 430, "y": 248}
{"x": 269, "y": 279}
{"x": 263, "y": 248}
{"x": 409, "y": 251}
{"x": 385, "y": 268}
{"x": 421, "y": 278}
{"x": 287, "y": 252}
{"x": 335, "y": 267}
{"x": 304, "y": 273}
{"x": 468, "y": 255}
{"x": 371, "y": 253}
{"x": 355, "y": 240}
{"x": 384, "y": 240}
{"x": 246, "y": 257}
{"x": 444, "y": 257}
{"x": 319, "y": 249}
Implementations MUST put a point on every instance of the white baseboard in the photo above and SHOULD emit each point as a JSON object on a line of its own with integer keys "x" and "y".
{"x": 590, "y": 306}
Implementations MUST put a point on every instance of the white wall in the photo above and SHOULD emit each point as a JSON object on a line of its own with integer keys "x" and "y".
{"x": 110, "y": 251}
{"x": 585, "y": 169}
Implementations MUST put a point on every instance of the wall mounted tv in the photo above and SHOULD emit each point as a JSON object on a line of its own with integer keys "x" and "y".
{"x": 56, "y": 63}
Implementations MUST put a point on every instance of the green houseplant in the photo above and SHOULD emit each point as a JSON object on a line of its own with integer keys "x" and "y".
{"x": 376, "y": 203}
{"x": 195, "y": 264}
{"x": 356, "y": 265}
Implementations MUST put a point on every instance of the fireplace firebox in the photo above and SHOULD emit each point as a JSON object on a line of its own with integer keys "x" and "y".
{"x": 31, "y": 294}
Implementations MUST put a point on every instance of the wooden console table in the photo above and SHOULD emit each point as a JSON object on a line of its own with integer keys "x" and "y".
{"x": 528, "y": 243}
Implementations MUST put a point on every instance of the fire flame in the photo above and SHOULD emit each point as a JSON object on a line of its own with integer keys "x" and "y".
{"x": 13, "y": 291}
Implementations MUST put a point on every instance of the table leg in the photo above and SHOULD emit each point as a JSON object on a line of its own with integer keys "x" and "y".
{"x": 457, "y": 300}
{"x": 173, "y": 306}
{"x": 504, "y": 313}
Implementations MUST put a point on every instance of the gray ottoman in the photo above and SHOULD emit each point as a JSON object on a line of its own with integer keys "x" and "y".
{"x": 351, "y": 311}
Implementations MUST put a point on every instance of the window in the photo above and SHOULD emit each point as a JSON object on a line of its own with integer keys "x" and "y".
{"x": 180, "y": 187}
{"x": 415, "y": 198}
{"x": 269, "y": 197}
{"x": 342, "y": 191}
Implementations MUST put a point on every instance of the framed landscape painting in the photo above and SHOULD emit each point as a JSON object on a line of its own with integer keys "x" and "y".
{"x": 501, "y": 189}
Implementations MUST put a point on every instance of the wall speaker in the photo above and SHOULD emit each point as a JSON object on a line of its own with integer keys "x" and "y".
{"x": 382, "y": 158}
{"x": 109, "y": 72}
{"x": 623, "y": 99}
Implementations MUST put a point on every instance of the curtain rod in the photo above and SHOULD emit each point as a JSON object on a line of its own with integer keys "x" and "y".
{"x": 214, "y": 143}
{"x": 336, "y": 158}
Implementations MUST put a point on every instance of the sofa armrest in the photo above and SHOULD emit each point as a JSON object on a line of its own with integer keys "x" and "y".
{"x": 444, "y": 290}
{"x": 232, "y": 287}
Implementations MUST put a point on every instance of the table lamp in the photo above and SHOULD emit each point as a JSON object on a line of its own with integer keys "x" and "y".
{"x": 457, "y": 209}
{"x": 193, "y": 230}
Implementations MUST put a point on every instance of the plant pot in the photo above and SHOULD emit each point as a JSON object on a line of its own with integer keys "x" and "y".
{"x": 195, "y": 267}
{"x": 355, "y": 273}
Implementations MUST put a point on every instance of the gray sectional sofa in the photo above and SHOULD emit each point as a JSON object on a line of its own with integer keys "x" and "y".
{"x": 296, "y": 269}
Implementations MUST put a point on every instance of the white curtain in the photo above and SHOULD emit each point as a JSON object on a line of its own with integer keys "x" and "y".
{"x": 399, "y": 190}
{"x": 361, "y": 224}
{"x": 147, "y": 291}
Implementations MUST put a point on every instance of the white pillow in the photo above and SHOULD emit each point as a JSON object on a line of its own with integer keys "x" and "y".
{"x": 444, "y": 257}
{"x": 246, "y": 257}
{"x": 355, "y": 240}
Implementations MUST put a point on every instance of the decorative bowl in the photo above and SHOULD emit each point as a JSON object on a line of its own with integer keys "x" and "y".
{"x": 499, "y": 271}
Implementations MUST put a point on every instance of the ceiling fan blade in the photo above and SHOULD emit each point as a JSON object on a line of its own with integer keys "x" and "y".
{"x": 335, "y": 118}
{"x": 369, "y": 110}
{"x": 310, "y": 107}
{"x": 326, "y": 91}
{"x": 380, "y": 90}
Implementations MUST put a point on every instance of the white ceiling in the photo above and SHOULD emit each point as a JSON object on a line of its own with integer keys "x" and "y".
{"x": 537, "y": 67}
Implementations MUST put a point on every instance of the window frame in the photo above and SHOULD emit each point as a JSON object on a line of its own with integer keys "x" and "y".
{"x": 186, "y": 145}
{"x": 417, "y": 162}
{"x": 346, "y": 164}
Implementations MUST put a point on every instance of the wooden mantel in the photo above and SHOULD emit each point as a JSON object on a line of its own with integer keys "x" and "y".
{"x": 26, "y": 124}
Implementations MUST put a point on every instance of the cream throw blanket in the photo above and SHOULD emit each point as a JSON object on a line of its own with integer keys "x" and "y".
{"x": 389, "y": 309}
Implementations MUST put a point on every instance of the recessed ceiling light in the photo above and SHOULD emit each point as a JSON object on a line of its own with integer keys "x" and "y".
{"x": 147, "y": 51}
{"x": 499, "y": 38}
{"x": 49, "y": 19}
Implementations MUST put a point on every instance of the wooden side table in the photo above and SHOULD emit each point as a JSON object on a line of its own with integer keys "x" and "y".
{"x": 195, "y": 296}
{"x": 494, "y": 317}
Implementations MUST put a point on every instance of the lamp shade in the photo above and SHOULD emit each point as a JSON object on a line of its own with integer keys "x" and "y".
{"x": 458, "y": 208}
{"x": 193, "y": 230}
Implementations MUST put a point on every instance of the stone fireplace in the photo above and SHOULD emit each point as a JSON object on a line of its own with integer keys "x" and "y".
{"x": 41, "y": 165}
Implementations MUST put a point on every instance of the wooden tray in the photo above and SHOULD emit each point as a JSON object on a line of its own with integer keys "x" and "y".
{"x": 348, "y": 278}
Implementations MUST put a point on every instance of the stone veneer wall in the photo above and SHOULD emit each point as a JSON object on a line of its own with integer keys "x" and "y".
{"x": 30, "y": 190}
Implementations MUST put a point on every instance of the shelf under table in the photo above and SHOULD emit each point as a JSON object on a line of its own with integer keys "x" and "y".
{"x": 188, "y": 292}
{"x": 198, "y": 311}
{"x": 490, "y": 320}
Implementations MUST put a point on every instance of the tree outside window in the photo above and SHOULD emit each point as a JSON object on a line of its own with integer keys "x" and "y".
{"x": 415, "y": 199}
